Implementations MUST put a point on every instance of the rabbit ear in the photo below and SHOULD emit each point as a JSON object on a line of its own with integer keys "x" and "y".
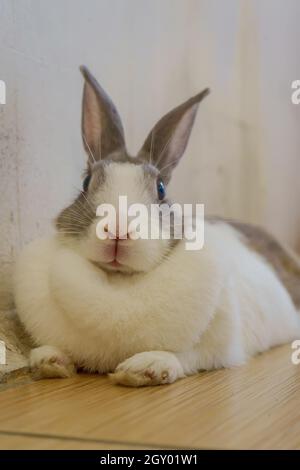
{"x": 102, "y": 130}
{"x": 168, "y": 139}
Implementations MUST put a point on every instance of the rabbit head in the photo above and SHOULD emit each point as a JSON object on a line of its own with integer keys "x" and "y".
{"x": 111, "y": 172}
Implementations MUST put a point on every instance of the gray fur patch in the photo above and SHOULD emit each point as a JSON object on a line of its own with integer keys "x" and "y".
{"x": 76, "y": 218}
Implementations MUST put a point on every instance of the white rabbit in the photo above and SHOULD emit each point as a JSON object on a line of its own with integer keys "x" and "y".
{"x": 146, "y": 311}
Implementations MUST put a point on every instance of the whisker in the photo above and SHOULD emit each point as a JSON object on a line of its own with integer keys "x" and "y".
{"x": 82, "y": 193}
{"x": 100, "y": 146}
{"x": 91, "y": 207}
{"x": 78, "y": 201}
{"x": 73, "y": 218}
{"x": 69, "y": 232}
{"x": 151, "y": 145}
{"x": 76, "y": 214}
{"x": 76, "y": 222}
{"x": 163, "y": 150}
{"x": 73, "y": 223}
{"x": 170, "y": 163}
{"x": 88, "y": 147}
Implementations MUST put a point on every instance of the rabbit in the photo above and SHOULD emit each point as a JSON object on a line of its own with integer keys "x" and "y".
{"x": 146, "y": 312}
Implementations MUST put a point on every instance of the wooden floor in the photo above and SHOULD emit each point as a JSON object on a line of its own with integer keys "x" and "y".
{"x": 255, "y": 406}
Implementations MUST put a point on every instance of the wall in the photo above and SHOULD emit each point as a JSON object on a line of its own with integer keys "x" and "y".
{"x": 243, "y": 158}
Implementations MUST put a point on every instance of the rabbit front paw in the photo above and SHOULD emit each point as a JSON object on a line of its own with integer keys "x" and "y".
{"x": 148, "y": 368}
{"x": 50, "y": 362}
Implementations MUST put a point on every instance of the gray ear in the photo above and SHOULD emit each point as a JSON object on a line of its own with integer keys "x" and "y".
{"x": 102, "y": 130}
{"x": 168, "y": 139}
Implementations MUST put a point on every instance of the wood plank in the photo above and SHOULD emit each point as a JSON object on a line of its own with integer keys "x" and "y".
{"x": 254, "y": 406}
{"x": 15, "y": 442}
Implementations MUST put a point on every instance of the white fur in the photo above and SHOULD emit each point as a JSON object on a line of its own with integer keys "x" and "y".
{"x": 184, "y": 312}
{"x": 48, "y": 361}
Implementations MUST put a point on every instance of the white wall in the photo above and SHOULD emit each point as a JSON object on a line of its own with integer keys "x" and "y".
{"x": 243, "y": 158}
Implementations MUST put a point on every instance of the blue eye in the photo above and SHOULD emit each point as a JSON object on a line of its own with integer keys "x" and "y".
{"x": 86, "y": 183}
{"x": 161, "y": 191}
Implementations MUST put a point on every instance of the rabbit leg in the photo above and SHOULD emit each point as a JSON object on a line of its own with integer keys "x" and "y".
{"x": 48, "y": 361}
{"x": 148, "y": 368}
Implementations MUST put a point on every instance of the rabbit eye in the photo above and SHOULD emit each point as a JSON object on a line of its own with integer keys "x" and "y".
{"x": 161, "y": 191}
{"x": 86, "y": 183}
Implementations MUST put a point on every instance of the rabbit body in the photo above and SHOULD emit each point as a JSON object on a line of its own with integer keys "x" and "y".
{"x": 149, "y": 311}
{"x": 210, "y": 308}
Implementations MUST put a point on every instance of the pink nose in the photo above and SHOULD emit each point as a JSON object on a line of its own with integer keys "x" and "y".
{"x": 116, "y": 236}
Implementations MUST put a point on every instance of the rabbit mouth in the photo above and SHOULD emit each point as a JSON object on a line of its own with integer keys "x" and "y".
{"x": 112, "y": 266}
{"x": 115, "y": 267}
{"x": 115, "y": 264}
